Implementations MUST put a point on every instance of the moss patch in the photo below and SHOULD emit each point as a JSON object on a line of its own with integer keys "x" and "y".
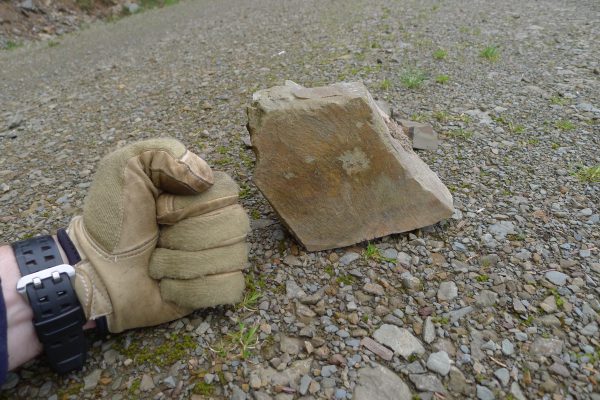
{"x": 173, "y": 349}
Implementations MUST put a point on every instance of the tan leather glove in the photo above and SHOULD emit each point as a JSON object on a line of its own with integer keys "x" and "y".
{"x": 118, "y": 233}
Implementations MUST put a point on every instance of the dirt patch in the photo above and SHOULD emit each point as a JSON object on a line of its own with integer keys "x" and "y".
{"x": 23, "y": 20}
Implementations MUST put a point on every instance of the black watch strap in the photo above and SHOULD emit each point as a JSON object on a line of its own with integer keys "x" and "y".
{"x": 57, "y": 315}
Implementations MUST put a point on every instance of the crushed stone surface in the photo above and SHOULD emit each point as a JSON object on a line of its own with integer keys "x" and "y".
{"x": 518, "y": 131}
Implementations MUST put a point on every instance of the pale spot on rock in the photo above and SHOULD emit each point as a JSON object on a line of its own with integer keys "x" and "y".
{"x": 354, "y": 161}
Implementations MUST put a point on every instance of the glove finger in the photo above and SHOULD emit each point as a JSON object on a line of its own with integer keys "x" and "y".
{"x": 175, "y": 169}
{"x": 208, "y": 291}
{"x": 222, "y": 227}
{"x": 176, "y": 264}
{"x": 171, "y": 208}
{"x": 119, "y": 211}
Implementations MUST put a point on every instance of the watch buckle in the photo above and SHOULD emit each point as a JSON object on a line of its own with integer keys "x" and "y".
{"x": 37, "y": 277}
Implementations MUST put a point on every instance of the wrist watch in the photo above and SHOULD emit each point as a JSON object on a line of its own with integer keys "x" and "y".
{"x": 57, "y": 315}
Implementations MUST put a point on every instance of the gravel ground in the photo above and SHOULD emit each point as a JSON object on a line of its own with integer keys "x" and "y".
{"x": 501, "y": 301}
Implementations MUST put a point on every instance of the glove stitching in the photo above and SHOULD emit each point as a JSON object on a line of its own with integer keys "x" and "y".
{"x": 201, "y": 277}
{"x": 228, "y": 242}
{"x": 122, "y": 202}
{"x": 217, "y": 212}
{"x": 171, "y": 203}
{"x": 101, "y": 293}
{"x": 162, "y": 261}
{"x": 179, "y": 211}
{"x": 86, "y": 288}
{"x": 116, "y": 257}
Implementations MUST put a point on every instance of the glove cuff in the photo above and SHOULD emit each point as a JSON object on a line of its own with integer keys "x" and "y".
{"x": 90, "y": 289}
{"x": 117, "y": 285}
{"x": 74, "y": 258}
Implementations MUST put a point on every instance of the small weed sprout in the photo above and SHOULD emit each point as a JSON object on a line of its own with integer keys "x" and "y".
{"x": 440, "y": 320}
{"x": 413, "y": 357}
{"x": 413, "y": 78}
{"x": 442, "y": 79}
{"x": 386, "y": 84}
{"x": 222, "y": 150}
{"x": 560, "y": 302}
{"x": 10, "y": 45}
{"x": 253, "y": 292}
{"x": 460, "y": 133}
{"x": 245, "y": 339}
{"x": 589, "y": 174}
{"x": 373, "y": 253}
{"x": 203, "y": 388}
{"x": 516, "y": 128}
{"x": 244, "y": 191}
{"x": 418, "y": 117}
{"x": 370, "y": 252}
{"x": 85, "y": 5}
{"x": 558, "y": 100}
{"x": 329, "y": 270}
{"x": 440, "y": 54}
{"x": 238, "y": 344}
{"x": 441, "y": 116}
{"x": 250, "y": 301}
{"x": 490, "y": 53}
{"x": 564, "y": 125}
{"x": 345, "y": 279}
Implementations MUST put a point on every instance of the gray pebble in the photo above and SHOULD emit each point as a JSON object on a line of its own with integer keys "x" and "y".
{"x": 483, "y": 393}
{"x": 348, "y": 258}
{"x": 507, "y": 347}
{"x": 556, "y": 277}
{"x": 328, "y": 370}
{"x": 503, "y": 376}
{"x": 304, "y": 382}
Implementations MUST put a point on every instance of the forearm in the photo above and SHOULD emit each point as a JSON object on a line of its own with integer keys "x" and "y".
{"x": 23, "y": 344}
{"x": 22, "y": 341}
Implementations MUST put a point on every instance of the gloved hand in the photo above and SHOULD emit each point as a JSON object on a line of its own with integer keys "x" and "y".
{"x": 206, "y": 242}
{"x": 198, "y": 262}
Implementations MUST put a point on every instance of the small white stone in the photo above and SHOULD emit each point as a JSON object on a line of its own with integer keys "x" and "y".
{"x": 447, "y": 291}
{"x": 428, "y": 331}
{"x": 147, "y": 383}
{"x": 439, "y": 362}
{"x": 558, "y": 278}
{"x": 507, "y": 347}
{"x": 503, "y": 376}
{"x": 398, "y": 339}
{"x": 348, "y": 258}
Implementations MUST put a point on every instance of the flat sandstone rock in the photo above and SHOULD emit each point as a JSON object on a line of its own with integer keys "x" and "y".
{"x": 336, "y": 169}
